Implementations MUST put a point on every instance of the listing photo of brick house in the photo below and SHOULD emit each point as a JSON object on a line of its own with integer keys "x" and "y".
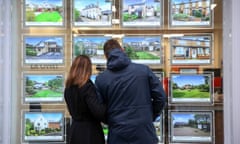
{"x": 190, "y": 13}
{"x": 191, "y": 49}
{"x": 43, "y": 126}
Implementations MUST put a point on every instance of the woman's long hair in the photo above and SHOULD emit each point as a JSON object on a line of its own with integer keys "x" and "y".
{"x": 80, "y": 71}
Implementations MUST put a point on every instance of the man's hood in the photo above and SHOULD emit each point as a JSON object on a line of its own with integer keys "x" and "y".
{"x": 117, "y": 60}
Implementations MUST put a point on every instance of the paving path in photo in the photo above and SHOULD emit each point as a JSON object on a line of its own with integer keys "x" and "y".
{"x": 188, "y": 131}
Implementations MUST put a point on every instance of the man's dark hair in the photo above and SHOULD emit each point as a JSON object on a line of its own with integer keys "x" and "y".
{"x": 109, "y": 45}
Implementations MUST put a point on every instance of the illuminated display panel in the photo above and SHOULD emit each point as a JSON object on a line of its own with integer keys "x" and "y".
{"x": 159, "y": 74}
{"x": 93, "y": 77}
{"x": 91, "y": 46}
{"x": 191, "y": 126}
{"x": 43, "y": 49}
{"x": 191, "y": 49}
{"x": 43, "y": 126}
{"x": 44, "y": 12}
{"x": 143, "y": 49}
{"x": 190, "y": 13}
{"x": 158, "y": 124}
{"x": 147, "y": 13}
{"x": 43, "y": 88}
{"x": 93, "y": 13}
{"x": 191, "y": 88}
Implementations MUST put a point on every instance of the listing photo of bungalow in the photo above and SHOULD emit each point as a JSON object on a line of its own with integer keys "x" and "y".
{"x": 186, "y": 13}
{"x": 43, "y": 126}
{"x": 142, "y": 13}
{"x": 43, "y": 88}
{"x": 191, "y": 49}
{"x": 190, "y": 88}
{"x": 191, "y": 126}
{"x": 43, "y": 49}
{"x": 92, "y": 12}
{"x": 143, "y": 49}
{"x": 43, "y": 13}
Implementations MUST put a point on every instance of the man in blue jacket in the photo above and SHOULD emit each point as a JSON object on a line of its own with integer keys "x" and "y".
{"x": 134, "y": 97}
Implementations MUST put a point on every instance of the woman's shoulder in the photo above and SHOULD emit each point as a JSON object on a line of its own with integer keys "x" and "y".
{"x": 89, "y": 85}
{"x": 86, "y": 88}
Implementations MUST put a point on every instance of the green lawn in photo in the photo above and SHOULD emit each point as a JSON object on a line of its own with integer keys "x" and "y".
{"x": 146, "y": 55}
{"x": 105, "y": 131}
{"x": 48, "y": 17}
{"x": 30, "y": 52}
{"x": 158, "y": 131}
{"x": 31, "y": 131}
{"x": 129, "y": 17}
{"x": 46, "y": 94}
{"x": 193, "y": 93}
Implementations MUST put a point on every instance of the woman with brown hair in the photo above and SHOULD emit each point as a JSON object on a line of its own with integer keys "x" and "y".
{"x": 85, "y": 109}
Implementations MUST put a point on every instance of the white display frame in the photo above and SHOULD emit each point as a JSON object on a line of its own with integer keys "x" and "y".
{"x": 91, "y": 42}
{"x": 160, "y": 127}
{"x": 146, "y": 9}
{"x": 50, "y": 47}
{"x": 144, "y": 41}
{"x": 55, "y": 117}
{"x": 60, "y": 5}
{"x": 188, "y": 20}
{"x": 159, "y": 74}
{"x": 186, "y": 127}
{"x": 40, "y": 80}
{"x": 191, "y": 82}
{"x": 193, "y": 49}
{"x": 102, "y": 19}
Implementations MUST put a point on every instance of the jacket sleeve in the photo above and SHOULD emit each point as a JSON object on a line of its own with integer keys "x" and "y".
{"x": 157, "y": 94}
{"x": 99, "y": 93}
{"x": 97, "y": 108}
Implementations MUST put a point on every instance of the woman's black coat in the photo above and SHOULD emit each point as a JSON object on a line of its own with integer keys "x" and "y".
{"x": 86, "y": 113}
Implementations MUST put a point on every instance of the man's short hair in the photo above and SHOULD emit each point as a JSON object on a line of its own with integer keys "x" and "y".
{"x": 109, "y": 45}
